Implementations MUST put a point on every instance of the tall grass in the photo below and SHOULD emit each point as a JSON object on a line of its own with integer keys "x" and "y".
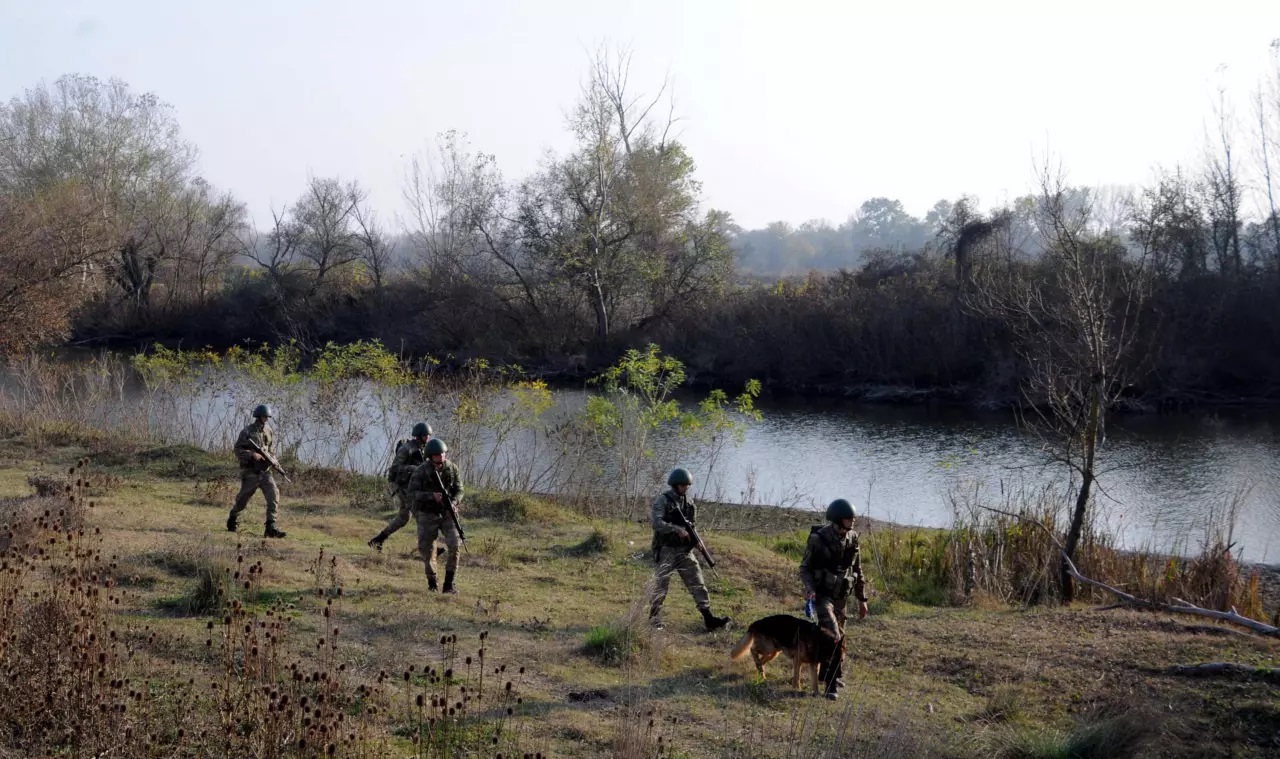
{"x": 1116, "y": 737}
{"x": 79, "y": 678}
{"x": 345, "y": 406}
{"x": 1004, "y": 551}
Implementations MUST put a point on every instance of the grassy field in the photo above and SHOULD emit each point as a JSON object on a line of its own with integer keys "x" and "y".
{"x": 556, "y": 602}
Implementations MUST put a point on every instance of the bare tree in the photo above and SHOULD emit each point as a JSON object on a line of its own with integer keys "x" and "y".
{"x": 1223, "y": 193}
{"x": 190, "y": 243}
{"x": 1167, "y": 223}
{"x": 1111, "y": 208}
{"x": 609, "y": 84}
{"x": 375, "y": 248}
{"x": 217, "y": 223}
{"x": 1267, "y": 110}
{"x": 1074, "y": 315}
{"x": 453, "y": 197}
{"x": 325, "y": 224}
{"x": 319, "y": 234}
{"x": 462, "y": 223}
{"x": 275, "y": 252}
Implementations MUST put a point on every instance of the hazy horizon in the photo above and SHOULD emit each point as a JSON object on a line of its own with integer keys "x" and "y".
{"x": 790, "y": 115}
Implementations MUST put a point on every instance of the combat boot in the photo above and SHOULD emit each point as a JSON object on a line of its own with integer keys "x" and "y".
{"x": 655, "y": 618}
{"x": 376, "y": 543}
{"x": 712, "y": 621}
{"x": 432, "y": 585}
{"x": 272, "y": 532}
{"x": 448, "y": 584}
{"x": 233, "y": 522}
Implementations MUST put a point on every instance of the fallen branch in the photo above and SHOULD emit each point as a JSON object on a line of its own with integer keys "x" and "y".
{"x": 1180, "y": 607}
{"x": 1225, "y": 669}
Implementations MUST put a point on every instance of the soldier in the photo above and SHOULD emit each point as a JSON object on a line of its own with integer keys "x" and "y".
{"x": 430, "y": 485}
{"x": 673, "y": 550}
{"x": 830, "y": 570}
{"x": 409, "y": 454}
{"x": 255, "y": 471}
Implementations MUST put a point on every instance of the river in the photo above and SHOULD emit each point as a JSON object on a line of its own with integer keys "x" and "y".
{"x": 1165, "y": 477}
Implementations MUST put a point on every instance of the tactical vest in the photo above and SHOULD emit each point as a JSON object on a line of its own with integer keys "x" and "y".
{"x": 244, "y": 453}
{"x": 430, "y": 482}
{"x": 399, "y": 474}
{"x": 832, "y": 563}
{"x": 671, "y": 516}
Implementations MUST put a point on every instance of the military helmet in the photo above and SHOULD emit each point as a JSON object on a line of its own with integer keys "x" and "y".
{"x": 421, "y": 429}
{"x": 436, "y": 447}
{"x": 679, "y": 476}
{"x": 262, "y": 410}
{"x": 840, "y": 509}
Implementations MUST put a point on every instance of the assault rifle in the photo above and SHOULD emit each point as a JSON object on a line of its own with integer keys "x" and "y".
{"x": 697, "y": 539}
{"x": 453, "y": 509}
{"x": 272, "y": 462}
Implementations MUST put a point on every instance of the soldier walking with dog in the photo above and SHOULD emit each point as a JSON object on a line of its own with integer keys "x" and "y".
{"x": 674, "y": 541}
{"x": 409, "y": 455}
{"x": 830, "y": 570}
{"x": 255, "y": 451}
{"x": 435, "y": 489}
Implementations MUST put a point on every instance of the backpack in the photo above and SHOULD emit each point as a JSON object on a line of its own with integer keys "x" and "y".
{"x": 392, "y": 475}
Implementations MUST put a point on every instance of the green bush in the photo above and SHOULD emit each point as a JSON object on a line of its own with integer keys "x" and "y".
{"x": 616, "y": 643}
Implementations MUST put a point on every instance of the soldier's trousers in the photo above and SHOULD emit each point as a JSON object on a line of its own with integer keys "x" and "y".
{"x": 672, "y": 559}
{"x": 250, "y": 482}
{"x": 399, "y": 520}
{"x": 830, "y": 614}
{"x": 431, "y": 526}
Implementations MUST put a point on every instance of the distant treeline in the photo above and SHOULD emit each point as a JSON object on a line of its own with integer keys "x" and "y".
{"x": 109, "y": 236}
{"x": 892, "y": 330}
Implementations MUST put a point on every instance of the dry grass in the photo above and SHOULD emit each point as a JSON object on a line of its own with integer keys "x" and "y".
{"x": 322, "y": 616}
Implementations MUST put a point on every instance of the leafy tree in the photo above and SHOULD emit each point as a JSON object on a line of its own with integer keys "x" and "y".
{"x": 638, "y": 401}
{"x": 619, "y": 216}
{"x": 125, "y": 153}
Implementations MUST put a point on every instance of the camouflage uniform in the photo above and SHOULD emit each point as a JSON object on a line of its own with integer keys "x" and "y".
{"x": 433, "y": 518}
{"x": 675, "y": 554}
{"x": 409, "y": 455}
{"x": 256, "y": 474}
{"x": 831, "y": 569}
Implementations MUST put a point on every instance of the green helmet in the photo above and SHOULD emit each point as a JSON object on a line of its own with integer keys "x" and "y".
{"x": 436, "y": 447}
{"x": 421, "y": 429}
{"x": 840, "y": 509}
{"x": 262, "y": 410}
{"x": 679, "y": 476}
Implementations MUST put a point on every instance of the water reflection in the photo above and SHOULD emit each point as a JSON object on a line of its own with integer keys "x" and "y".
{"x": 1164, "y": 476}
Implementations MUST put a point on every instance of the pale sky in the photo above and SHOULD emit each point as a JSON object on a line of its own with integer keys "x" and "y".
{"x": 792, "y": 110}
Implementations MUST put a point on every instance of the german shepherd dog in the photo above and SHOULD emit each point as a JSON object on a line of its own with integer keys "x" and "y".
{"x": 803, "y": 641}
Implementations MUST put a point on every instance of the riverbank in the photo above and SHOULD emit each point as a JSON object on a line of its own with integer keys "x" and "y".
{"x": 572, "y": 372}
{"x": 556, "y": 593}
